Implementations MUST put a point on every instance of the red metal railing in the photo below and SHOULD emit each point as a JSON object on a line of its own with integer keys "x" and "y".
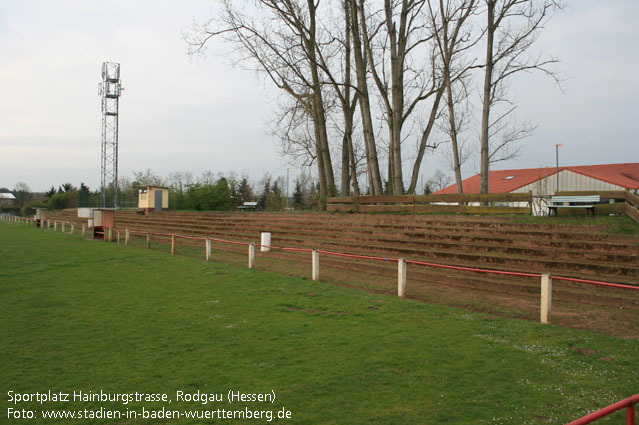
{"x": 379, "y": 258}
{"x": 390, "y": 259}
{"x": 628, "y": 404}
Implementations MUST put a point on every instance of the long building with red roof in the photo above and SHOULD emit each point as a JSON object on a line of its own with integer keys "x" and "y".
{"x": 546, "y": 181}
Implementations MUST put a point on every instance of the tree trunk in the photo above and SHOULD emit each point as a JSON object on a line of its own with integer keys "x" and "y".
{"x": 320, "y": 164}
{"x": 345, "y": 188}
{"x": 398, "y": 42}
{"x": 348, "y": 160}
{"x": 319, "y": 117}
{"x": 424, "y": 140}
{"x": 453, "y": 134}
{"x": 484, "y": 170}
{"x": 373, "y": 173}
{"x": 446, "y": 47}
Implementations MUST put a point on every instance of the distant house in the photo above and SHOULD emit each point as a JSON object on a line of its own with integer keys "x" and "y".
{"x": 543, "y": 181}
{"x": 546, "y": 181}
{"x": 7, "y": 199}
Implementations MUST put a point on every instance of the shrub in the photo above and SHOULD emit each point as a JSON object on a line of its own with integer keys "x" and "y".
{"x": 27, "y": 209}
{"x": 64, "y": 200}
{"x": 209, "y": 197}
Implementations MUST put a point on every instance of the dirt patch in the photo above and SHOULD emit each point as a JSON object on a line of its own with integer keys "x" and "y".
{"x": 314, "y": 312}
{"x": 587, "y": 351}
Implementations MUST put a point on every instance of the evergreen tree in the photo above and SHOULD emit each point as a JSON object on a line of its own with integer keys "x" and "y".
{"x": 298, "y": 197}
{"x": 83, "y": 195}
{"x": 49, "y": 193}
{"x": 245, "y": 191}
{"x": 266, "y": 193}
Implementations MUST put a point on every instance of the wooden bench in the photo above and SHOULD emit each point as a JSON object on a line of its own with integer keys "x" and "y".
{"x": 248, "y": 206}
{"x": 589, "y": 202}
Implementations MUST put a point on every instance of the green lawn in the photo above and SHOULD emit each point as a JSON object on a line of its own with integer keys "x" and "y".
{"x": 87, "y": 316}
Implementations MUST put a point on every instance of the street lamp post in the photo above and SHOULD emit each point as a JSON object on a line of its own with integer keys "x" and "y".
{"x": 287, "y": 191}
{"x": 365, "y": 171}
{"x": 557, "y": 146}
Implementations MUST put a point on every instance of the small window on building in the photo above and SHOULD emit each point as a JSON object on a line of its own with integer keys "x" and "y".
{"x": 509, "y": 177}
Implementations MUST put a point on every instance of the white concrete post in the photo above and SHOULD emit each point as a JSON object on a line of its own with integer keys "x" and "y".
{"x": 84, "y": 230}
{"x": 173, "y": 244}
{"x": 208, "y": 249}
{"x": 251, "y": 258}
{"x": 110, "y": 233}
{"x": 126, "y": 236}
{"x": 401, "y": 277}
{"x": 148, "y": 240}
{"x": 63, "y": 227}
{"x": 546, "y": 297}
{"x": 315, "y": 263}
{"x": 72, "y": 227}
{"x": 117, "y": 236}
{"x": 55, "y": 226}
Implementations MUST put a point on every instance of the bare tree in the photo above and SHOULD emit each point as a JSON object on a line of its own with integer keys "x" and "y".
{"x": 453, "y": 38}
{"x": 343, "y": 93}
{"x": 357, "y": 20}
{"x": 511, "y": 28}
{"x": 22, "y": 193}
{"x": 504, "y": 137}
{"x": 436, "y": 182}
{"x": 294, "y": 128}
{"x": 426, "y": 134}
{"x": 402, "y": 82}
{"x": 280, "y": 39}
{"x": 147, "y": 178}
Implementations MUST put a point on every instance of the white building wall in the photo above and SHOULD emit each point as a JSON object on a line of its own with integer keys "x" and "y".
{"x": 568, "y": 180}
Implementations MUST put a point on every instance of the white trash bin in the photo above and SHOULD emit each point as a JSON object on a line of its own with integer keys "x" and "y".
{"x": 266, "y": 242}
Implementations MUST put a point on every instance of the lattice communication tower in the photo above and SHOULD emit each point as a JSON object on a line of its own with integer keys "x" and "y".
{"x": 110, "y": 90}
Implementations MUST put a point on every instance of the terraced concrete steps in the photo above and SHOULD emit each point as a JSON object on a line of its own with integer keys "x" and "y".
{"x": 501, "y": 243}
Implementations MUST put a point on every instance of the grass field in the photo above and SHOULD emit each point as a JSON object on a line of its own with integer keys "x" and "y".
{"x": 87, "y": 316}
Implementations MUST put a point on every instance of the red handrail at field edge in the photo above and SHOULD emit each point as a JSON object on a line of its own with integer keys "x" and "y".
{"x": 628, "y": 404}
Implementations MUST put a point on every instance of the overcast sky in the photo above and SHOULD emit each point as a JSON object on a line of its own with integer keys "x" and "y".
{"x": 184, "y": 114}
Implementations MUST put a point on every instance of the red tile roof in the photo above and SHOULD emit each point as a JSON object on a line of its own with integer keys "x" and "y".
{"x": 504, "y": 181}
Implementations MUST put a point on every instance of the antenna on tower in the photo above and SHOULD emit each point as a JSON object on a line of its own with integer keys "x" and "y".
{"x": 110, "y": 90}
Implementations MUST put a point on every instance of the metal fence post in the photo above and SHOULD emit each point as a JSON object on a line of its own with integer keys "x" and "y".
{"x": 401, "y": 277}
{"x": 546, "y": 297}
